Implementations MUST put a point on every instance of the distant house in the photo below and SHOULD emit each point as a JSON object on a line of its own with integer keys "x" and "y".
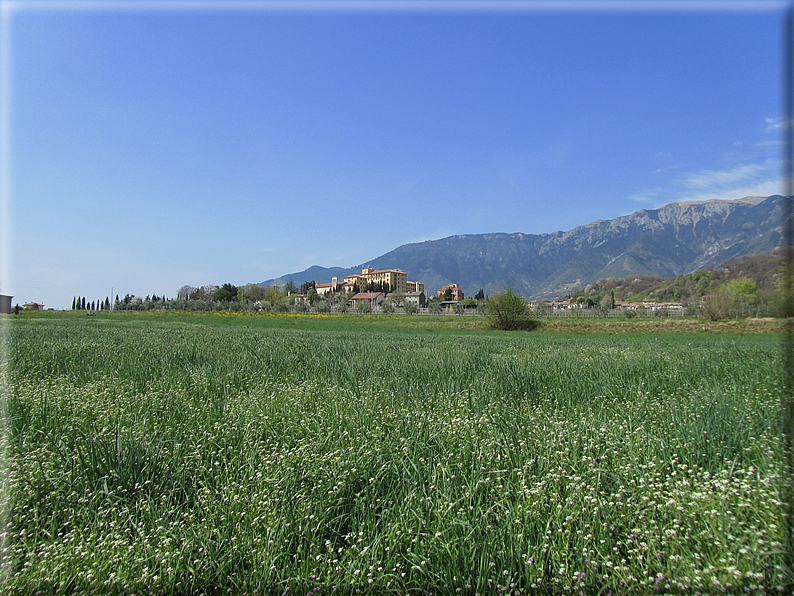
{"x": 457, "y": 293}
{"x": 374, "y": 298}
{"x": 33, "y": 306}
{"x": 417, "y": 298}
{"x": 333, "y": 287}
{"x": 5, "y": 304}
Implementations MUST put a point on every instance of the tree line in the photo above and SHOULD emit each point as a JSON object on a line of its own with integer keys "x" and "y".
{"x": 751, "y": 285}
{"x": 80, "y": 303}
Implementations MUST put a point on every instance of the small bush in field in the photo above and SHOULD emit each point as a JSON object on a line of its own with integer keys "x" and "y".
{"x": 509, "y": 311}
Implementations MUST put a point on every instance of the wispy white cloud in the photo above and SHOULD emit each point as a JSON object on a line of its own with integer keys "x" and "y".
{"x": 643, "y": 198}
{"x": 774, "y": 124}
{"x": 739, "y": 175}
{"x": 760, "y": 179}
{"x": 760, "y": 189}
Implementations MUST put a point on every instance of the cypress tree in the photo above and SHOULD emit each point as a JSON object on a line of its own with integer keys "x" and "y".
{"x": 73, "y": 302}
{"x": 82, "y": 307}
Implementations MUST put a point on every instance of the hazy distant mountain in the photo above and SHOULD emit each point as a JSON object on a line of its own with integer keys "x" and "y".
{"x": 672, "y": 240}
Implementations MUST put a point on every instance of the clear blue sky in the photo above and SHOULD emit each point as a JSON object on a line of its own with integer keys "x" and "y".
{"x": 151, "y": 149}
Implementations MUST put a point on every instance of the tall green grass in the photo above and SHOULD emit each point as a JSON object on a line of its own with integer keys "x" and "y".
{"x": 170, "y": 454}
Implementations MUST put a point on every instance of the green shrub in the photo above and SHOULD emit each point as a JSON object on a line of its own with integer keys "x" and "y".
{"x": 509, "y": 311}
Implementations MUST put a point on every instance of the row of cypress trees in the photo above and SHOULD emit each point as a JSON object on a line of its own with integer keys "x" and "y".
{"x": 79, "y": 303}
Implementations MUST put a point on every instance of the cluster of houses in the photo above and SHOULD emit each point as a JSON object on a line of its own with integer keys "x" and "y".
{"x": 648, "y": 304}
{"x": 374, "y": 286}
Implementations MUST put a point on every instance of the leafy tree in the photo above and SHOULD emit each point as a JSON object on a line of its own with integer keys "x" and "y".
{"x": 289, "y": 288}
{"x": 387, "y": 307}
{"x": 272, "y": 295}
{"x": 223, "y": 295}
{"x": 509, "y": 311}
{"x": 734, "y": 299}
{"x": 364, "y": 307}
{"x": 253, "y": 292}
{"x": 479, "y": 295}
{"x": 226, "y": 293}
{"x": 543, "y": 309}
{"x": 411, "y": 308}
{"x": 397, "y": 297}
{"x": 447, "y": 295}
{"x": 312, "y": 296}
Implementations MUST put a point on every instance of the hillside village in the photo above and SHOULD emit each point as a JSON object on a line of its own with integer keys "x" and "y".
{"x": 375, "y": 288}
{"x": 743, "y": 286}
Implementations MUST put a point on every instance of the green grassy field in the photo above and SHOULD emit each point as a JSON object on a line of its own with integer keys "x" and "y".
{"x": 172, "y": 453}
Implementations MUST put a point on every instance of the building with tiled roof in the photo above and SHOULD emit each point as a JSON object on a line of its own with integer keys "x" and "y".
{"x": 391, "y": 280}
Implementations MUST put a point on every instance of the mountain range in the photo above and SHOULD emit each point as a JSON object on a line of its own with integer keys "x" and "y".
{"x": 673, "y": 240}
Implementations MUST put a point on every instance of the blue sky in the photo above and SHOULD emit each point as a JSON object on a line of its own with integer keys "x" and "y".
{"x": 154, "y": 148}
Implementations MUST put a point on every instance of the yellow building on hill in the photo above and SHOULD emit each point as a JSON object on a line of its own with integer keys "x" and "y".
{"x": 397, "y": 280}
